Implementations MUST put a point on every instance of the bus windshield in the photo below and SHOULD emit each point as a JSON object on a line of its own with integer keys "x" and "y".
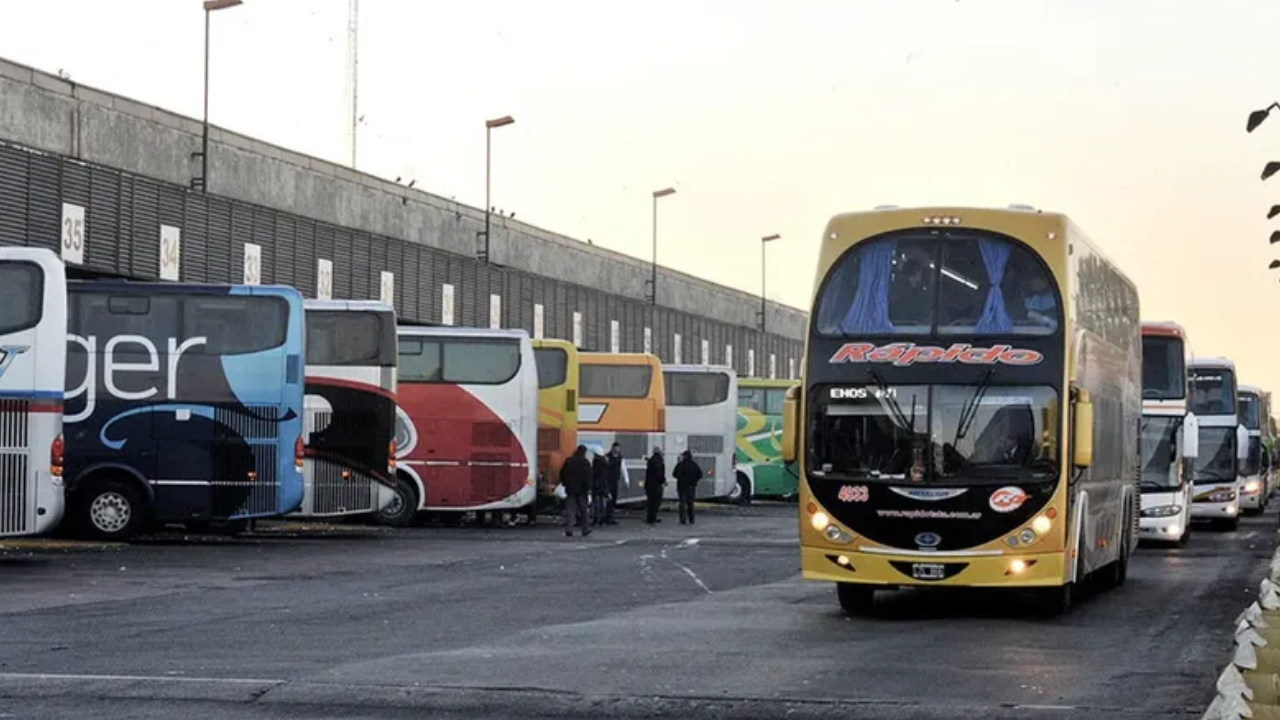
{"x": 1217, "y": 459}
{"x": 695, "y": 389}
{"x": 939, "y": 433}
{"x": 1159, "y": 451}
{"x": 351, "y": 338}
{"x": 946, "y": 282}
{"x": 1164, "y": 375}
{"x": 1249, "y": 416}
{"x": 1211, "y": 392}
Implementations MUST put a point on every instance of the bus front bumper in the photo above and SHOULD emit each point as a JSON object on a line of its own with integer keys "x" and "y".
{"x": 828, "y": 564}
{"x": 1205, "y": 510}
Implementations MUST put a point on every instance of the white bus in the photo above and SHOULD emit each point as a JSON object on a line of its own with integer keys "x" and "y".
{"x": 702, "y": 417}
{"x": 467, "y": 422}
{"x": 1254, "y": 471}
{"x": 1223, "y": 441}
{"x": 1169, "y": 435}
{"x": 349, "y": 422}
{"x": 33, "y": 358}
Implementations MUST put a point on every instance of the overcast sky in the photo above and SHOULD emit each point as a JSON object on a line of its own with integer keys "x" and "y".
{"x": 767, "y": 117}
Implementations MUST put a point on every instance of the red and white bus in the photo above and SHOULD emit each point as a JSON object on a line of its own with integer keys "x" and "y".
{"x": 467, "y": 423}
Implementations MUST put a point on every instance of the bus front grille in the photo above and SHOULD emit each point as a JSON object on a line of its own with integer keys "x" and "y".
{"x": 633, "y": 445}
{"x": 246, "y": 475}
{"x": 332, "y": 494}
{"x": 16, "y": 511}
{"x": 706, "y": 444}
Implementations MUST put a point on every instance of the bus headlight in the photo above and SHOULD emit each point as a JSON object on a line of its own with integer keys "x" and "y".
{"x": 1042, "y": 525}
{"x": 1252, "y": 487}
{"x": 1027, "y": 536}
{"x": 820, "y": 521}
{"x": 835, "y": 534}
{"x": 1222, "y": 496}
{"x": 1162, "y": 511}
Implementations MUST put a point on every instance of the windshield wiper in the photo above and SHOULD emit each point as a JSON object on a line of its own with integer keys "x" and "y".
{"x": 969, "y": 411}
{"x": 892, "y": 403}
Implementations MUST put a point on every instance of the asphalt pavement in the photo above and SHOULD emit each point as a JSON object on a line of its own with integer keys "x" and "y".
{"x": 314, "y": 621}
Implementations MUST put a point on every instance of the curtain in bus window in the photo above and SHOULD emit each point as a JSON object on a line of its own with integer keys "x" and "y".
{"x": 995, "y": 256}
{"x": 869, "y": 312}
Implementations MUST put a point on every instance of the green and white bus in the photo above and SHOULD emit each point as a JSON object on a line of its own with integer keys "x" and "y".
{"x": 760, "y": 469}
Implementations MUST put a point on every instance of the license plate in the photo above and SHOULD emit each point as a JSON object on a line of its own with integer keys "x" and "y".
{"x": 927, "y": 571}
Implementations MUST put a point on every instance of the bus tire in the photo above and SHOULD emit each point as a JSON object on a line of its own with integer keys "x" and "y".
{"x": 744, "y": 490}
{"x": 403, "y": 509}
{"x": 112, "y": 511}
{"x": 856, "y": 600}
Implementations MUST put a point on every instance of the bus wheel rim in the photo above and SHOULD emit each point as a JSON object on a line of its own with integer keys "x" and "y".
{"x": 110, "y": 512}
{"x": 395, "y": 507}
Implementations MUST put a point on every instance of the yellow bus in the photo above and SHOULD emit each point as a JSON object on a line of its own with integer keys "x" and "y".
{"x": 970, "y": 406}
{"x": 622, "y": 399}
{"x": 557, "y": 362}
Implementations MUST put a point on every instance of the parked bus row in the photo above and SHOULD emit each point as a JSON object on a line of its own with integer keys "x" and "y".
{"x": 981, "y": 405}
{"x": 126, "y": 406}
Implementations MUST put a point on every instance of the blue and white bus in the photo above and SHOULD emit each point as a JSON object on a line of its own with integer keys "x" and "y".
{"x": 33, "y": 328}
{"x": 183, "y": 405}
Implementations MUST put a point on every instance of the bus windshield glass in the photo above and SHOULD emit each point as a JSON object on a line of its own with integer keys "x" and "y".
{"x": 1217, "y": 459}
{"x": 1211, "y": 392}
{"x": 939, "y": 433}
{"x": 21, "y": 295}
{"x": 1159, "y": 450}
{"x": 1253, "y": 463}
{"x": 695, "y": 389}
{"x": 614, "y": 381}
{"x": 351, "y": 338}
{"x": 923, "y": 283}
{"x": 553, "y": 366}
{"x": 1164, "y": 375}
{"x": 1249, "y": 416}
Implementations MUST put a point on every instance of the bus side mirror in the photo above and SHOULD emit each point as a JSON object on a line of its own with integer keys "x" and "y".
{"x": 790, "y": 423}
{"x": 1082, "y": 430}
{"x": 1190, "y": 437}
{"x": 1242, "y": 443}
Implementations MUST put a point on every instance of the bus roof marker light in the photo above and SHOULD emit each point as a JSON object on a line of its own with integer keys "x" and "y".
{"x": 1275, "y": 237}
{"x": 1270, "y": 169}
{"x": 1274, "y": 211}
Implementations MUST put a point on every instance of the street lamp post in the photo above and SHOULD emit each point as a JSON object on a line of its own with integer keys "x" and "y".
{"x": 653, "y": 276}
{"x": 209, "y": 7}
{"x": 764, "y": 241}
{"x": 489, "y": 125}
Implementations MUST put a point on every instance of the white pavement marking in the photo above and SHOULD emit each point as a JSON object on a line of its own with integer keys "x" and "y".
{"x": 136, "y": 678}
{"x": 686, "y": 570}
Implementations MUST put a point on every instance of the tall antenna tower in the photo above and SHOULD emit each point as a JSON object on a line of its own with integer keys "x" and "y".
{"x": 353, "y": 72}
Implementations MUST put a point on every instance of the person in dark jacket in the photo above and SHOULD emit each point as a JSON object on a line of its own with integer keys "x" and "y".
{"x": 575, "y": 476}
{"x": 599, "y": 488}
{"x": 655, "y": 479}
{"x": 687, "y": 473}
{"x": 614, "y": 458}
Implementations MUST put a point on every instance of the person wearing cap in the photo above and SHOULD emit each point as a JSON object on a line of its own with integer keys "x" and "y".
{"x": 687, "y": 473}
{"x": 655, "y": 479}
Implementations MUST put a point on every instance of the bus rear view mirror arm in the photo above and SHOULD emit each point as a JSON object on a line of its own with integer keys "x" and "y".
{"x": 790, "y": 423}
{"x": 1082, "y": 417}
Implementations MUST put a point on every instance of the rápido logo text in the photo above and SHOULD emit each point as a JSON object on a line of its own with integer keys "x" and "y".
{"x": 906, "y": 353}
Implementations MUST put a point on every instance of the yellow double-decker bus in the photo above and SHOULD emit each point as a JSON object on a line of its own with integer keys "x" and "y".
{"x": 557, "y": 362}
{"x": 623, "y": 399}
{"x": 970, "y": 406}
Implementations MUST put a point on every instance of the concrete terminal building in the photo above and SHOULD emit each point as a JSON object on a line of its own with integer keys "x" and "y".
{"x": 108, "y": 180}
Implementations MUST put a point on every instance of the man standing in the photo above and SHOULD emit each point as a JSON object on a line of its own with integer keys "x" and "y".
{"x": 575, "y": 476}
{"x": 687, "y": 473}
{"x": 615, "y": 477}
{"x": 655, "y": 479}
{"x": 599, "y": 487}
